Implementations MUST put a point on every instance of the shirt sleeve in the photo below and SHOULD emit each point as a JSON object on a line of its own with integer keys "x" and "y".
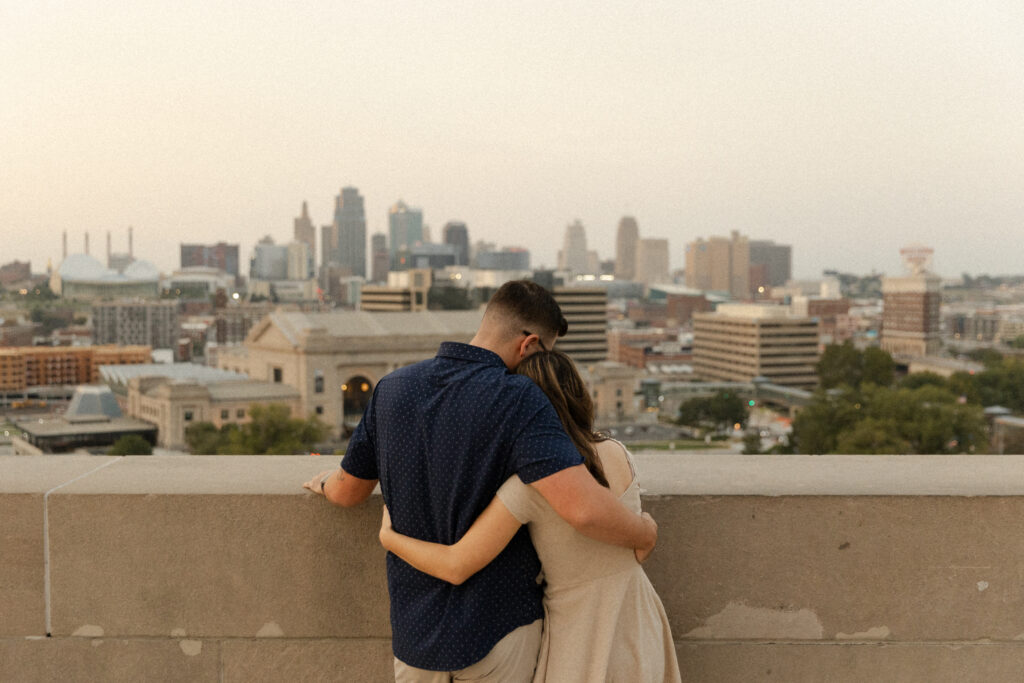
{"x": 361, "y": 455}
{"x": 515, "y": 495}
{"x": 541, "y": 447}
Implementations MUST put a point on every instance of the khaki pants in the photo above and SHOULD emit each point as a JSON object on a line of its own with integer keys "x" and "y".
{"x": 512, "y": 659}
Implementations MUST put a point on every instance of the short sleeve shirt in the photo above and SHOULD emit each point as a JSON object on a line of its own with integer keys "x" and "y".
{"x": 442, "y": 436}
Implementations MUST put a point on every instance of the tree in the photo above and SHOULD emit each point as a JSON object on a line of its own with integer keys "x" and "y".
{"x": 719, "y": 411}
{"x": 877, "y": 367}
{"x": 271, "y": 430}
{"x": 839, "y": 364}
{"x": 131, "y": 444}
{"x": 845, "y": 364}
{"x": 923, "y": 379}
{"x": 871, "y": 436}
{"x": 926, "y": 419}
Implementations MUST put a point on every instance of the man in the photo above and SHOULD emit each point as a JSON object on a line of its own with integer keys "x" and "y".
{"x": 441, "y": 436}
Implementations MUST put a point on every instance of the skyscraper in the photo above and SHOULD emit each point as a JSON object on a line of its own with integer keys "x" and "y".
{"x": 379, "y": 260}
{"x": 775, "y": 259}
{"x": 652, "y": 261}
{"x": 573, "y": 256}
{"x": 625, "y": 248}
{"x": 405, "y": 228}
{"x": 720, "y": 264}
{"x": 305, "y": 231}
{"x": 350, "y": 223}
{"x": 269, "y": 260}
{"x": 457, "y": 235}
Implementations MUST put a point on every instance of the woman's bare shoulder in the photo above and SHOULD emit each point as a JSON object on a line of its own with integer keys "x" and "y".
{"x": 616, "y": 464}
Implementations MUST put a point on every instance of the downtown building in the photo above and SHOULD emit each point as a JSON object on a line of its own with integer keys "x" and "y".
{"x": 586, "y": 311}
{"x": 221, "y": 256}
{"x": 737, "y": 265}
{"x": 911, "y": 322}
{"x": 405, "y": 231}
{"x": 136, "y": 323}
{"x": 911, "y": 306}
{"x": 740, "y": 342}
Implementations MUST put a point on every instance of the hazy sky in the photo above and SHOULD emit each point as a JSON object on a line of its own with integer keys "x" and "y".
{"x": 845, "y": 129}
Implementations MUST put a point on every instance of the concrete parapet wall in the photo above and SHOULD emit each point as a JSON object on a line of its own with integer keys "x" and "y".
{"x": 775, "y": 568}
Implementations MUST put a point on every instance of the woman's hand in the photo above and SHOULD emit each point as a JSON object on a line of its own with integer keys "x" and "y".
{"x": 385, "y": 526}
{"x": 643, "y": 553}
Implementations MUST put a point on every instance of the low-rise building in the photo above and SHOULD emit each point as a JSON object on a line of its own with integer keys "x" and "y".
{"x": 174, "y": 405}
{"x": 34, "y": 366}
{"x": 93, "y": 420}
{"x": 739, "y": 342}
{"x": 335, "y": 359}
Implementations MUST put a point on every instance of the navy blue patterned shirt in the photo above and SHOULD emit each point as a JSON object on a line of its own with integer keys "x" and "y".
{"x": 442, "y": 436}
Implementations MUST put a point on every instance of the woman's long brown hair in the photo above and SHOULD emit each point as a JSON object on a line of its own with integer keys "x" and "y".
{"x": 556, "y": 374}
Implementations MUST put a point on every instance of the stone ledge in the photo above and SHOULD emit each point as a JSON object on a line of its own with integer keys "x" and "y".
{"x": 810, "y": 567}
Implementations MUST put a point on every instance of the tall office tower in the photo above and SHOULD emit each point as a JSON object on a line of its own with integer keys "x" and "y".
{"x": 776, "y": 260}
{"x": 405, "y": 228}
{"x": 125, "y": 323}
{"x": 379, "y": 257}
{"x": 350, "y": 224}
{"x": 625, "y": 248}
{"x": 328, "y": 246}
{"x": 652, "y": 261}
{"x": 720, "y": 264}
{"x": 456, "y": 234}
{"x": 586, "y": 310}
{"x": 573, "y": 256}
{"x": 305, "y": 231}
{"x": 739, "y": 342}
{"x": 269, "y": 261}
{"x": 911, "y": 319}
{"x": 300, "y": 261}
{"x": 222, "y": 256}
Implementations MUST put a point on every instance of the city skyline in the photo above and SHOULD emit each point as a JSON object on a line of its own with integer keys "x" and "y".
{"x": 846, "y": 132}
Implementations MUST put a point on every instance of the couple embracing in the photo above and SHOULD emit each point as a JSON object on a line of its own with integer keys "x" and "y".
{"x": 493, "y": 479}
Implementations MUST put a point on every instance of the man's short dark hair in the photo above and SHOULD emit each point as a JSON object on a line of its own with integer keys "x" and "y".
{"x": 529, "y": 306}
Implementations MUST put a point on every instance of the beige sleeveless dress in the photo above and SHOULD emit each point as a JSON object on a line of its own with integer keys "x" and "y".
{"x": 603, "y": 620}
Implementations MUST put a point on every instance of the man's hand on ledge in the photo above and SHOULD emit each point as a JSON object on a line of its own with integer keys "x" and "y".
{"x": 314, "y": 483}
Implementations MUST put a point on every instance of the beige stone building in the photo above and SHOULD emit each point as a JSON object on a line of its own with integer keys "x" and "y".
{"x": 720, "y": 264}
{"x": 739, "y": 342}
{"x": 173, "y": 405}
{"x": 612, "y": 386}
{"x": 334, "y": 360}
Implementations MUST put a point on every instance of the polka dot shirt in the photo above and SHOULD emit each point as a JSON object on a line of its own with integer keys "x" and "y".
{"x": 442, "y": 436}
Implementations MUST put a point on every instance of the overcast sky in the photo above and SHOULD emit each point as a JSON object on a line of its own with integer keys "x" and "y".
{"x": 845, "y": 129}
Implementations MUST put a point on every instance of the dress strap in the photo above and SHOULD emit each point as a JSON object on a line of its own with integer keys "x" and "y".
{"x": 629, "y": 458}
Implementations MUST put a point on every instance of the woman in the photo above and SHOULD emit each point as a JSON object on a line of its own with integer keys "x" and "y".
{"x": 603, "y": 620}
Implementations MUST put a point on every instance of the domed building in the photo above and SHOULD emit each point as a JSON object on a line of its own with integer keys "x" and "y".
{"x": 81, "y": 276}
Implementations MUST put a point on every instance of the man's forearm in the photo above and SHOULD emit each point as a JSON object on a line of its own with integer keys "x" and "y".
{"x": 592, "y": 510}
{"x": 612, "y": 522}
